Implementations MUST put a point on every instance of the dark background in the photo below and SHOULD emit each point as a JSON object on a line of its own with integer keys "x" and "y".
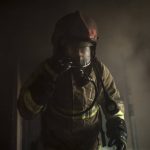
{"x": 124, "y": 45}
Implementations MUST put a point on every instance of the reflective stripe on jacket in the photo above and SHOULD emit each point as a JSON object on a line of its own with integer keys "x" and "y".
{"x": 68, "y": 97}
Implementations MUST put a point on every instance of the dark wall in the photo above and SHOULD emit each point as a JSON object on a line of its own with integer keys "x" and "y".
{"x": 8, "y": 79}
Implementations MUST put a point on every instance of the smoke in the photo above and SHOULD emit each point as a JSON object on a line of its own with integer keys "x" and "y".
{"x": 125, "y": 49}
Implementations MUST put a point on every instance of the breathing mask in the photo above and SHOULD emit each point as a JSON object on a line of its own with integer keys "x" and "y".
{"x": 77, "y": 57}
{"x": 80, "y": 54}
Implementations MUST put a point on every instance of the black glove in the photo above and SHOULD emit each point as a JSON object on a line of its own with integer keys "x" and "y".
{"x": 117, "y": 133}
{"x": 42, "y": 88}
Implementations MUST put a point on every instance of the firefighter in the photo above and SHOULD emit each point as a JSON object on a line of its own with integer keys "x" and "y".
{"x": 71, "y": 89}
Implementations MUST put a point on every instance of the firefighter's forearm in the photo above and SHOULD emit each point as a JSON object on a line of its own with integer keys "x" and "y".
{"x": 26, "y": 105}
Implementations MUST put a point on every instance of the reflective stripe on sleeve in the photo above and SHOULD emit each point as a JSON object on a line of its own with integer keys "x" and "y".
{"x": 120, "y": 114}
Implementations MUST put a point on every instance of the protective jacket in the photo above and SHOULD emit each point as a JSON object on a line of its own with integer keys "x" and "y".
{"x": 55, "y": 96}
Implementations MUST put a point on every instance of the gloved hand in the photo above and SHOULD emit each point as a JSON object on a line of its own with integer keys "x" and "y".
{"x": 44, "y": 85}
{"x": 60, "y": 65}
{"x": 64, "y": 65}
{"x": 117, "y": 133}
{"x": 42, "y": 88}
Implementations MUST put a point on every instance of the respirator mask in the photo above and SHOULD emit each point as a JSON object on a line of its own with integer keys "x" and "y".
{"x": 79, "y": 54}
{"x": 77, "y": 57}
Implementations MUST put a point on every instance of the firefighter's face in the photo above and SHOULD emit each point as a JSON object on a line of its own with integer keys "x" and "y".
{"x": 80, "y": 55}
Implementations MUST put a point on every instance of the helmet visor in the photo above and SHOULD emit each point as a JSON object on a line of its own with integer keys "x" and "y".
{"x": 80, "y": 56}
{"x": 85, "y": 56}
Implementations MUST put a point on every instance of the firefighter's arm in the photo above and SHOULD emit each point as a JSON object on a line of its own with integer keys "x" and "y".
{"x": 115, "y": 124}
{"x": 36, "y": 92}
{"x": 113, "y": 94}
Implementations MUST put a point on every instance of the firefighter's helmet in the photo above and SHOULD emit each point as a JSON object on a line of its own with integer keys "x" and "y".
{"x": 72, "y": 32}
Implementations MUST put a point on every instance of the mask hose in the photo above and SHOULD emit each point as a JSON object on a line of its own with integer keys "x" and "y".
{"x": 110, "y": 105}
{"x": 93, "y": 102}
